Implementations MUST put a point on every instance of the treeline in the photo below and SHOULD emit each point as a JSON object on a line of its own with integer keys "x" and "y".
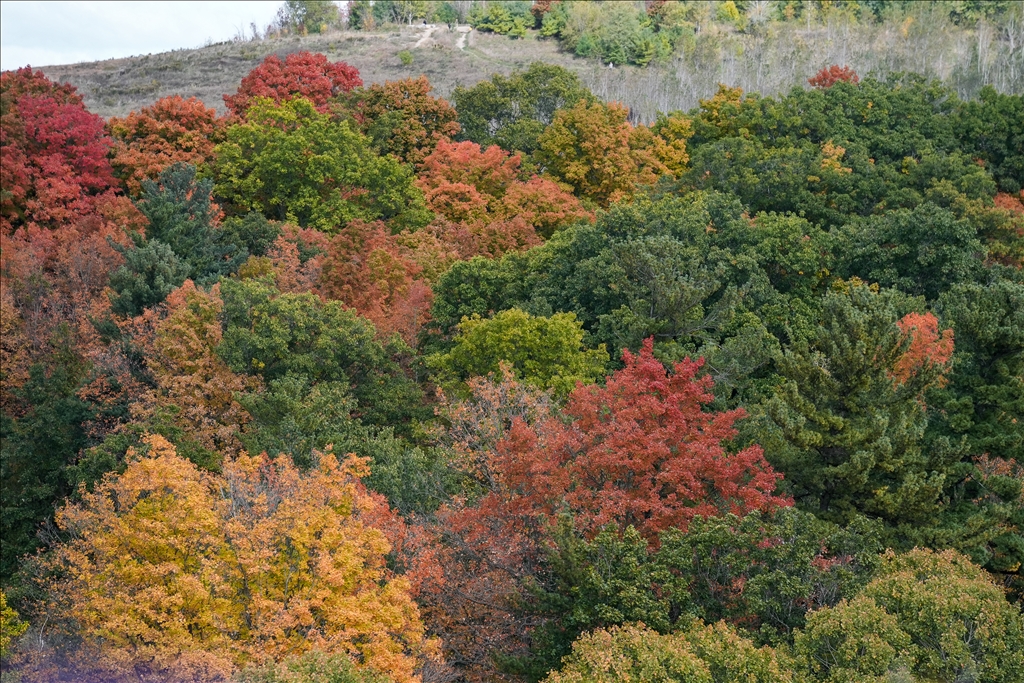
{"x": 355, "y": 383}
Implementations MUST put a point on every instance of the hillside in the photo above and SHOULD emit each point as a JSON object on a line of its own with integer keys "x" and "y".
{"x": 362, "y": 384}
{"x": 771, "y": 61}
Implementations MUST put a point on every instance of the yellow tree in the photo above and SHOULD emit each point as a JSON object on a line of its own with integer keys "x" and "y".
{"x": 594, "y": 149}
{"x": 170, "y": 571}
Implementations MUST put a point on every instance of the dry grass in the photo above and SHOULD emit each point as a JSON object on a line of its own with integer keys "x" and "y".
{"x": 117, "y": 86}
{"x": 775, "y": 60}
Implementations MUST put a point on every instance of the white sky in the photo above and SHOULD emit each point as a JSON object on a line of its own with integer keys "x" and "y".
{"x": 49, "y": 33}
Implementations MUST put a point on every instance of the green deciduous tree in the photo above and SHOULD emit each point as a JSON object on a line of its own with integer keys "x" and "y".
{"x": 296, "y": 418}
{"x": 923, "y": 251}
{"x": 291, "y": 162}
{"x": 37, "y": 448}
{"x": 274, "y": 335}
{"x": 935, "y": 614}
{"x": 984, "y": 398}
{"x": 854, "y": 641}
{"x": 682, "y": 269}
{"x": 546, "y": 352}
{"x": 312, "y": 667}
{"x": 990, "y": 127}
{"x": 700, "y": 654}
{"x": 762, "y": 573}
{"x": 512, "y": 111}
{"x": 312, "y": 16}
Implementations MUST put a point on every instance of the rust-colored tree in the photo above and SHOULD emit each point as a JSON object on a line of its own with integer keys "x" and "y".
{"x": 830, "y": 75}
{"x": 403, "y": 119}
{"x": 56, "y": 278}
{"x": 542, "y": 204}
{"x": 172, "y": 130}
{"x": 483, "y": 559}
{"x": 302, "y": 74}
{"x": 489, "y": 171}
{"x": 366, "y": 268}
{"x": 296, "y": 259}
{"x": 480, "y": 192}
{"x": 191, "y": 378}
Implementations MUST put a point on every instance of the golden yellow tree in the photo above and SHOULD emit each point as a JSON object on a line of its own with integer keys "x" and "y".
{"x": 593, "y": 149}
{"x": 170, "y": 571}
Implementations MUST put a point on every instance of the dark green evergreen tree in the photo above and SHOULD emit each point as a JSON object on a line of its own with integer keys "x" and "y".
{"x": 181, "y": 215}
{"x": 847, "y": 430}
{"x": 150, "y": 272}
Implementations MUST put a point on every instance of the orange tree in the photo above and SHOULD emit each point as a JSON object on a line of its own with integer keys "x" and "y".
{"x": 172, "y": 130}
{"x": 479, "y": 188}
{"x": 593, "y": 149}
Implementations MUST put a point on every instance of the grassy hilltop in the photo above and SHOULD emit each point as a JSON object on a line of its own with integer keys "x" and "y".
{"x": 773, "y": 59}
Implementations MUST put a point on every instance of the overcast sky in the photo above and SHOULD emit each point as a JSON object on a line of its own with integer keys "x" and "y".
{"x": 47, "y": 33}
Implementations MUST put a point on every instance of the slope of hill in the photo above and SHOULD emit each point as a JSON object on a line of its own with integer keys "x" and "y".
{"x": 770, "y": 61}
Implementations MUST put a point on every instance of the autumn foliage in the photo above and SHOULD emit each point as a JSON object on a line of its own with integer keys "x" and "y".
{"x": 172, "y": 130}
{"x": 171, "y": 571}
{"x": 927, "y": 348}
{"x": 301, "y": 74}
{"x": 190, "y": 376}
{"x": 367, "y": 269}
{"x": 536, "y": 325}
{"x": 403, "y": 118}
{"x": 831, "y": 75}
{"x": 480, "y": 190}
{"x": 54, "y": 153}
{"x": 640, "y": 452}
{"x": 593, "y": 149}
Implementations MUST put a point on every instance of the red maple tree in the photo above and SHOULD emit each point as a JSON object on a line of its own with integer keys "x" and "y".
{"x": 53, "y": 153}
{"x": 302, "y": 74}
{"x": 640, "y": 451}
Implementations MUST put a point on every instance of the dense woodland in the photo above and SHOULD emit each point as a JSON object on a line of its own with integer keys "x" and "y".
{"x": 357, "y": 384}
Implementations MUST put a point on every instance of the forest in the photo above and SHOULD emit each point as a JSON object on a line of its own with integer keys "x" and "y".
{"x": 356, "y": 384}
